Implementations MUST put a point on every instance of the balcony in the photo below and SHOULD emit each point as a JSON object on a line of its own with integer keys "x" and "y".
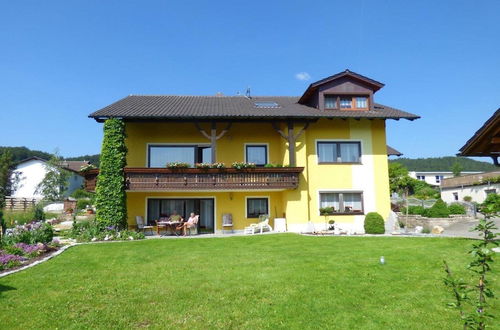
{"x": 163, "y": 179}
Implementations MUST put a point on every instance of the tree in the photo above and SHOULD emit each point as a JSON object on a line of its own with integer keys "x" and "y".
{"x": 456, "y": 168}
{"x": 110, "y": 198}
{"x": 399, "y": 180}
{"x": 55, "y": 183}
{"x": 6, "y": 178}
{"x": 6, "y": 182}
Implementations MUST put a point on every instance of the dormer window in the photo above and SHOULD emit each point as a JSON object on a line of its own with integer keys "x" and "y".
{"x": 330, "y": 102}
{"x": 346, "y": 102}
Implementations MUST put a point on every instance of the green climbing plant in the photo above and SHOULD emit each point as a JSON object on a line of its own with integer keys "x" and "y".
{"x": 110, "y": 198}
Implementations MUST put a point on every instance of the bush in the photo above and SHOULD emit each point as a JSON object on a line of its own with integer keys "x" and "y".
{"x": 414, "y": 210}
{"x": 374, "y": 223}
{"x": 91, "y": 230}
{"x": 82, "y": 194}
{"x": 31, "y": 233}
{"x": 491, "y": 205}
{"x": 438, "y": 210}
{"x": 81, "y": 204}
{"x": 456, "y": 208}
{"x": 467, "y": 199}
{"x": 38, "y": 213}
{"x": 426, "y": 230}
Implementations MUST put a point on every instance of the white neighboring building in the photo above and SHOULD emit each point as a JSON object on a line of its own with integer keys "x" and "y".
{"x": 435, "y": 178}
{"x": 31, "y": 172}
{"x": 476, "y": 186}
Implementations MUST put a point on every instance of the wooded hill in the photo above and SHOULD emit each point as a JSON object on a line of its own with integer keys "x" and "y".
{"x": 21, "y": 153}
{"x": 443, "y": 164}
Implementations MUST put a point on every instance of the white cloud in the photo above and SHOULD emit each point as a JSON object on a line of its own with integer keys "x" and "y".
{"x": 302, "y": 76}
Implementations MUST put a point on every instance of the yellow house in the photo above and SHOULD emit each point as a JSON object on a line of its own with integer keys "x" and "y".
{"x": 323, "y": 150}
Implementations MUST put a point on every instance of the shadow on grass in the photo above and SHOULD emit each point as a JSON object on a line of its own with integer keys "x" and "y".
{"x": 4, "y": 288}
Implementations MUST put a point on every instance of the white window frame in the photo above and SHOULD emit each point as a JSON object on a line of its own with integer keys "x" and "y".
{"x": 343, "y": 191}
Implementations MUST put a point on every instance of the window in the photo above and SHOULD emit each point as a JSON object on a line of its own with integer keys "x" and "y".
{"x": 330, "y": 102}
{"x": 439, "y": 178}
{"x": 361, "y": 102}
{"x": 256, "y": 154}
{"x": 266, "y": 105}
{"x": 490, "y": 191}
{"x": 455, "y": 196}
{"x": 159, "y": 156}
{"x": 342, "y": 202}
{"x": 421, "y": 177}
{"x": 339, "y": 152}
{"x": 257, "y": 207}
{"x": 346, "y": 102}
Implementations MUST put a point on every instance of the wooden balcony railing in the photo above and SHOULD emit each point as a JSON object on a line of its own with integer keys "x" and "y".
{"x": 163, "y": 179}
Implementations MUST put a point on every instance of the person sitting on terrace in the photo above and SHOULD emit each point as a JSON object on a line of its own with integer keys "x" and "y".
{"x": 192, "y": 222}
{"x": 175, "y": 217}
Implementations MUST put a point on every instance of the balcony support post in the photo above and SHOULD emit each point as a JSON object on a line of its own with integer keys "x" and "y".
{"x": 213, "y": 136}
{"x": 291, "y": 139}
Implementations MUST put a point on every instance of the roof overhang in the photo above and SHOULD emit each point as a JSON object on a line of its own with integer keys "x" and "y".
{"x": 486, "y": 141}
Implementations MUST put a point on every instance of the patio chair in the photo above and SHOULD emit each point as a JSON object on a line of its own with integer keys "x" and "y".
{"x": 139, "y": 220}
{"x": 160, "y": 226}
{"x": 193, "y": 230}
{"x": 260, "y": 227}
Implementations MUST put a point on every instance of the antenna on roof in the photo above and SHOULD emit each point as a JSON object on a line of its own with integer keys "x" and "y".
{"x": 247, "y": 93}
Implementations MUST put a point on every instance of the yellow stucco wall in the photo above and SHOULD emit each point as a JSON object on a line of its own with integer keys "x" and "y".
{"x": 225, "y": 202}
{"x": 300, "y": 205}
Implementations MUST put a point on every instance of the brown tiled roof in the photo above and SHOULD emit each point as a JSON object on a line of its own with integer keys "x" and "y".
{"x": 468, "y": 180}
{"x": 74, "y": 165}
{"x": 143, "y": 107}
{"x": 393, "y": 152}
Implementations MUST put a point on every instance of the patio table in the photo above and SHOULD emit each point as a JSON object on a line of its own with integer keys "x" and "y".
{"x": 170, "y": 225}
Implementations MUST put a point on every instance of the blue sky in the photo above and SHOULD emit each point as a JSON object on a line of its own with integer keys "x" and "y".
{"x": 61, "y": 60}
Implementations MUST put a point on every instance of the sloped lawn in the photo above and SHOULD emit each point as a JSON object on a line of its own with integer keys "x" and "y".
{"x": 272, "y": 281}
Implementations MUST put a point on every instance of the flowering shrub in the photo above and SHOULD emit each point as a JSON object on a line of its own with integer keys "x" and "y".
{"x": 31, "y": 233}
{"x": 10, "y": 260}
{"x": 175, "y": 165}
{"x": 242, "y": 165}
{"x": 91, "y": 231}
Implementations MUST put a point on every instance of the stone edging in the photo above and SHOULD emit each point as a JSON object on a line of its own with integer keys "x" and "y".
{"x": 58, "y": 252}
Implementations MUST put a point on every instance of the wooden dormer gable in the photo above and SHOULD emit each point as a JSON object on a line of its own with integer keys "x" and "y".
{"x": 344, "y": 91}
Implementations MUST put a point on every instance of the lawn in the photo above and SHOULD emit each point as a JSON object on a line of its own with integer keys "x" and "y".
{"x": 269, "y": 281}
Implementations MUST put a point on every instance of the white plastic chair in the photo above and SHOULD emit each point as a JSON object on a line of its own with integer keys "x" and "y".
{"x": 258, "y": 227}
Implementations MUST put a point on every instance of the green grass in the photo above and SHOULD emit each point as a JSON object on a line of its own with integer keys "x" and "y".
{"x": 271, "y": 281}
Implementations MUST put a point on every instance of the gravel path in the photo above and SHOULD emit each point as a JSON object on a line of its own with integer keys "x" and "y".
{"x": 462, "y": 229}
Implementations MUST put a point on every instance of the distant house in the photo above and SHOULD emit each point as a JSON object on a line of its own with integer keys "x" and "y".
{"x": 435, "y": 178}
{"x": 477, "y": 186}
{"x": 31, "y": 172}
{"x": 486, "y": 141}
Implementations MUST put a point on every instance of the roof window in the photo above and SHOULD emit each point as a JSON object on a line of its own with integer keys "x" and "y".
{"x": 266, "y": 104}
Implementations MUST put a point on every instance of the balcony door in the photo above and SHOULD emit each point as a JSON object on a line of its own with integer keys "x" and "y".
{"x": 184, "y": 206}
{"x": 160, "y": 155}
